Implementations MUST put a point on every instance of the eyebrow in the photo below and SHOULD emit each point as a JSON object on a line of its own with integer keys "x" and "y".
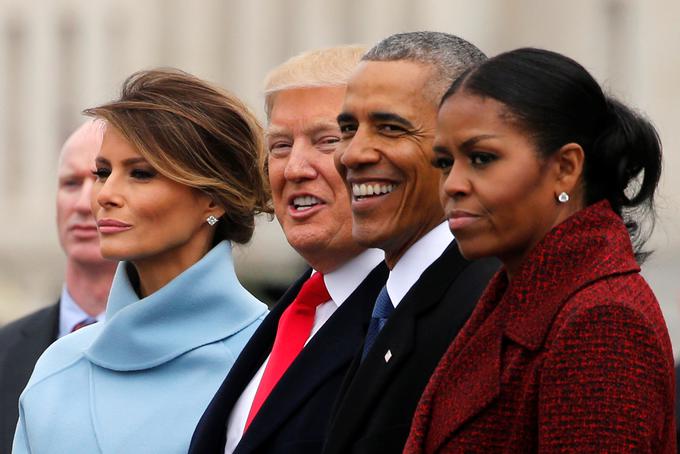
{"x": 471, "y": 142}
{"x": 390, "y": 117}
{"x": 346, "y": 118}
{"x": 126, "y": 162}
{"x": 440, "y": 149}
{"x": 310, "y": 129}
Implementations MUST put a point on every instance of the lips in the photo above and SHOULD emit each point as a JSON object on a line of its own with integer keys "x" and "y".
{"x": 306, "y": 202}
{"x": 460, "y": 219}
{"x": 303, "y": 205}
{"x": 363, "y": 190}
{"x": 106, "y": 226}
{"x": 83, "y": 231}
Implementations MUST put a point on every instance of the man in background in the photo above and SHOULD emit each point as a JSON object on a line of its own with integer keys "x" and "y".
{"x": 388, "y": 124}
{"x": 87, "y": 280}
{"x": 278, "y": 395}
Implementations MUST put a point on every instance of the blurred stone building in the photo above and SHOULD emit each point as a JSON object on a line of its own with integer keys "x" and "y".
{"x": 60, "y": 56}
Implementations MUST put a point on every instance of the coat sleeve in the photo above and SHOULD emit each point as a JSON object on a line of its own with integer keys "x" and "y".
{"x": 606, "y": 384}
{"x": 20, "y": 445}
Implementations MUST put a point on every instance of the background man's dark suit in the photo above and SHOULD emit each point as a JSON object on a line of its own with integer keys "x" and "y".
{"x": 378, "y": 398}
{"x": 295, "y": 416}
{"x": 21, "y": 343}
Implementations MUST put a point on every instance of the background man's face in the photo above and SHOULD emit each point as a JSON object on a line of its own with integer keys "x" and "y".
{"x": 310, "y": 199}
{"x": 388, "y": 122}
{"x": 76, "y": 225}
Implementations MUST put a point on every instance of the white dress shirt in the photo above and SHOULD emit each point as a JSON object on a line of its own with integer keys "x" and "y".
{"x": 70, "y": 314}
{"x": 416, "y": 260}
{"x": 340, "y": 285}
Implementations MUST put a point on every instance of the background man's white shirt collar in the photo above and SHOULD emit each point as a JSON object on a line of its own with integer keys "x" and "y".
{"x": 70, "y": 313}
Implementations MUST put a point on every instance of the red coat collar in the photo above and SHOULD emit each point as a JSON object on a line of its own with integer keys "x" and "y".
{"x": 590, "y": 245}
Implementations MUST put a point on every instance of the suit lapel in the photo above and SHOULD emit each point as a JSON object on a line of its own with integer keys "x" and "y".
{"x": 332, "y": 348}
{"x": 394, "y": 344}
{"x": 211, "y": 430}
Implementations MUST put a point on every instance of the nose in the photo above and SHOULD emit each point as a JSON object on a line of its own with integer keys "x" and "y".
{"x": 106, "y": 193}
{"x": 456, "y": 183}
{"x": 83, "y": 203}
{"x": 358, "y": 151}
{"x": 299, "y": 166}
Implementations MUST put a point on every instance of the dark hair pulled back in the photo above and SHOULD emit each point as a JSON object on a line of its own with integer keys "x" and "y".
{"x": 556, "y": 101}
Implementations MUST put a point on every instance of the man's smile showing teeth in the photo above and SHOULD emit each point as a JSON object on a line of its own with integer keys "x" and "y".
{"x": 363, "y": 190}
{"x": 305, "y": 202}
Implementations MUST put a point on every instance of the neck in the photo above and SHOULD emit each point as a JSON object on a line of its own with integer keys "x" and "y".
{"x": 394, "y": 252}
{"x": 155, "y": 272}
{"x": 328, "y": 262}
{"x": 89, "y": 284}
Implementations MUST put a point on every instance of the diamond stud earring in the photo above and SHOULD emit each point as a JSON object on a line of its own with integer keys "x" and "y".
{"x": 212, "y": 220}
{"x": 563, "y": 197}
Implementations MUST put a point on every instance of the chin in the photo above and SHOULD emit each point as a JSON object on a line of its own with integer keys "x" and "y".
{"x": 471, "y": 251}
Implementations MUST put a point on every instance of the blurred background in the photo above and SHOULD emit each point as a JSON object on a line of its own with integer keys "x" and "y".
{"x": 58, "y": 57}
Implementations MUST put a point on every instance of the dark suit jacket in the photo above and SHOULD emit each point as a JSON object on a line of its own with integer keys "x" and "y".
{"x": 379, "y": 395}
{"x": 21, "y": 344}
{"x": 572, "y": 355}
{"x": 294, "y": 417}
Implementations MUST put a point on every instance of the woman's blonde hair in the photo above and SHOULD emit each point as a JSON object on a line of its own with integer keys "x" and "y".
{"x": 199, "y": 136}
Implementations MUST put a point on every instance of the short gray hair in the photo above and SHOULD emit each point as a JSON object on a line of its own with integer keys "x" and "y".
{"x": 448, "y": 54}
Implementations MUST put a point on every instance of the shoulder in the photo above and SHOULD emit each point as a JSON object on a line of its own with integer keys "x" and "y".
{"x": 235, "y": 342}
{"x": 63, "y": 354}
{"x": 627, "y": 294}
{"x": 614, "y": 314}
{"x": 41, "y": 320}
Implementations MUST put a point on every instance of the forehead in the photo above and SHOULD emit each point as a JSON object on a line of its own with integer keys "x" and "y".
{"x": 79, "y": 152}
{"x": 301, "y": 108}
{"x": 399, "y": 87}
{"x": 465, "y": 112}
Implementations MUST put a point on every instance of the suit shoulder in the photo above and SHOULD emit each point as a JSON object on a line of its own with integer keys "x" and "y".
{"x": 42, "y": 319}
{"x": 63, "y": 353}
{"x": 235, "y": 343}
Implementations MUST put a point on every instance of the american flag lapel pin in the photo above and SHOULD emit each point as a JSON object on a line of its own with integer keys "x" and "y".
{"x": 388, "y": 356}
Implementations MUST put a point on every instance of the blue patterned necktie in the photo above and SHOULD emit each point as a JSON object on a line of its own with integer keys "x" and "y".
{"x": 382, "y": 310}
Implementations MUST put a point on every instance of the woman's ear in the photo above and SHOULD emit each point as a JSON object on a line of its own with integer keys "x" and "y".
{"x": 569, "y": 160}
{"x": 214, "y": 209}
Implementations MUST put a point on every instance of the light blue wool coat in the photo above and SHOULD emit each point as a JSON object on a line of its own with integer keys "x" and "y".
{"x": 139, "y": 382}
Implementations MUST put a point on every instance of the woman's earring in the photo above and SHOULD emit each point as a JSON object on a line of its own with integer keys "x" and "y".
{"x": 212, "y": 220}
{"x": 563, "y": 197}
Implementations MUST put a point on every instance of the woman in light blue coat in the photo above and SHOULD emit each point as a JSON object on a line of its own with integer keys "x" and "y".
{"x": 178, "y": 180}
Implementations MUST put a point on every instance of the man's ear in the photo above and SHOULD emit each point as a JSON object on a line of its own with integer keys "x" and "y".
{"x": 569, "y": 161}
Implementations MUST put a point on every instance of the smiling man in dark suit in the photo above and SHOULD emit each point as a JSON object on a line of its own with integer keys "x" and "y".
{"x": 87, "y": 281}
{"x": 385, "y": 157}
{"x": 278, "y": 395}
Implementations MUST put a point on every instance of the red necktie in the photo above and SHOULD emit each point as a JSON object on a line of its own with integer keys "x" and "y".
{"x": 294, "y": 328}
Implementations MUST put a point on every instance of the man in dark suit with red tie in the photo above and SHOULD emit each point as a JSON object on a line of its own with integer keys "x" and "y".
{"x": 278, "y": 395}
{"x": 388, "y": 124}
{"x": 87, "y": 281}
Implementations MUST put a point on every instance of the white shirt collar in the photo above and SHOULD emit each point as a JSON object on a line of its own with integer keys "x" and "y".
{"x": 346, "y": 278}
{"x": 70, "y": 313}
{"x": 416, "y": 260}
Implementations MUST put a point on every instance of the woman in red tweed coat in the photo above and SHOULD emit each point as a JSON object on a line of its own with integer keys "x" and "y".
{"x": 567, "y": 350}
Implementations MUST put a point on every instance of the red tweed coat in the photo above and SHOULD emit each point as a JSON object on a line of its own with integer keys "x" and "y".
{"x": 571, "y": 356}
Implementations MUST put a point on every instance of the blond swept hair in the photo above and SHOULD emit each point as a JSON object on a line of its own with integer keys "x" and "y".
{"x": 317, "y": 68}
{"x": 197, "y": 135}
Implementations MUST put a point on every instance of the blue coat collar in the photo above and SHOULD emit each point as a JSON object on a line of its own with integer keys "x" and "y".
{"x": 202, "y": 305}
